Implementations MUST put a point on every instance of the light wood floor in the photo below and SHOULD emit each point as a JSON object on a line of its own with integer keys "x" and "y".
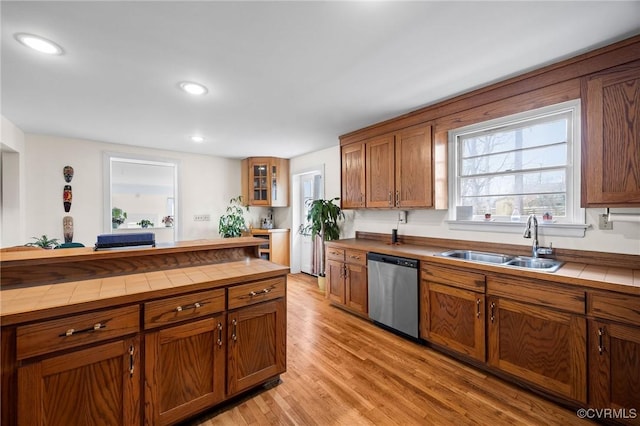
{"x": 342, "y": 370}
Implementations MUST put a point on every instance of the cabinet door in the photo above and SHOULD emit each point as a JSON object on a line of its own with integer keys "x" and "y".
{"x": 414, "y": 187}
{"x": 614, "y": 359}
{"x": 184, "y": 370}
{"x": 353, "y": 176}
{"x": 380, "y": 172}
{"x": 279, "y": 182}
{"x": 259, "y": 182}
{"x": 257, "y": 344}
{"x": 454, "y": 318}
{"x": 335, "y": 281}
{"x": 95, "y": 386}
{"x": 611, "y": 150}
{"x": 540, "y": 345}
{"x": 356, "y": 288}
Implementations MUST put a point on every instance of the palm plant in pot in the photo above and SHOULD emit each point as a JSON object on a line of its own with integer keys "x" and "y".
{"x": 322, "y": 222}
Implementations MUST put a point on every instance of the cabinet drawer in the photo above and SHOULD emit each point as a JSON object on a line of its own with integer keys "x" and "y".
{"x": 51, "y": 336}
{"x": 538, "y": 292}
{"x": 190, "y": 306}
{"x": 259, "y": 291}
{"x": 355, "y": 256}
{"x": 455, "y": 278}
{"x": 614, "y": 306}
{"x": 335, "y": 254}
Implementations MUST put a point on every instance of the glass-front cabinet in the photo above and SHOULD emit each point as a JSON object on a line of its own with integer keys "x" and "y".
{"x": 265, "y": 181}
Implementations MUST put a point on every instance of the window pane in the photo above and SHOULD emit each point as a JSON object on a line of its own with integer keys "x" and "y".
{"x": 515, "y": 184}
{"x": 502, "y": 205}
{"x": 534, "y": 158}
{"x": 527, "y": 136}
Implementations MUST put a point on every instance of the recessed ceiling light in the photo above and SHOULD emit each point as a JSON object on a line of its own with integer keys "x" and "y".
{"x": 197, "y": 139}
{"x": 39, "y": 43}
{"x": 193, "y": 88}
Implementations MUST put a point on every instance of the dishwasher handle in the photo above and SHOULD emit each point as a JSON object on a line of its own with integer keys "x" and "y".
{"x": 394, "y": 260}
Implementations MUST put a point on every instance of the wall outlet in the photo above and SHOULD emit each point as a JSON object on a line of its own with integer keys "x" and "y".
{"x": 402, "y": 216}
{"x": 201, "y": 218}
{"x": 603, "y": 222}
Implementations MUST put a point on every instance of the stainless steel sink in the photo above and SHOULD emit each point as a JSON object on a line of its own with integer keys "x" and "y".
{"x": 547, "y": 265}
{"x": 478, "y": 256}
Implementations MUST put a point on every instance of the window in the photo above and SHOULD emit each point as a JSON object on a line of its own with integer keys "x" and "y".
{"x": 144, "y": 188}
{"x": 518, "y": 165}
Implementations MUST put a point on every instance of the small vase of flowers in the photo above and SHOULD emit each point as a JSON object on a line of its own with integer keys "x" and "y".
{"x": 168, "y": 221}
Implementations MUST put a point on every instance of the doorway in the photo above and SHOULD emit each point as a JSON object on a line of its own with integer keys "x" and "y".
{"x": 307, "y": 185}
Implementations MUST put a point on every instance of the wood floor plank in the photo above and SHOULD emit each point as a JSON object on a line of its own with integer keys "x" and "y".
{"x": 343, "y": 370}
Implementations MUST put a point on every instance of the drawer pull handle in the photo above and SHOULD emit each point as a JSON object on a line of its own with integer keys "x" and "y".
{"x": 353, "y": 256}
{"x": 131, "y": 366}
{"x": 253, "y": 294}
{"x": 234, "y": 336}
{"x": 192, "y": 306}
{"x": 263, "y": 291}
{"x": 72, "y": 331}
{"x": 601, "y": 340}
{"x": 220, "y": 334}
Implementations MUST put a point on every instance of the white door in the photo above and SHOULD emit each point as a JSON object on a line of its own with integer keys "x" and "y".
{"x": 311, "y": 188}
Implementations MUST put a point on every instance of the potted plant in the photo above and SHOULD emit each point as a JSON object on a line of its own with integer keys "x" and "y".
{"x": 322, "y": 218}
{"x": 232, "y": 223}
{"x": 44, "y": 242}
{"x": 145, "y": 223}
{"x": 168, "y": 221}
{"x": 118, "y": 216}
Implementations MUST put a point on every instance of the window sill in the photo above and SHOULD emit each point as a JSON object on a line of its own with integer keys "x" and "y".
{"x": 544, "y": 229}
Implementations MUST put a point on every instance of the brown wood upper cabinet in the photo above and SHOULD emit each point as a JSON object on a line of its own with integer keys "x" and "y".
{"x": 398, "y": 169}
{"x": 353, "y": 176}
{"x": 389, "y": 171}
{"x": 611, "y": 140}
{"x": 265, "y": 181}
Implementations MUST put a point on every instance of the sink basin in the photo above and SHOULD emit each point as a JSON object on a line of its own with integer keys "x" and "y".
{"x": 547, "y": 265}
{"x": 478, "y": 256}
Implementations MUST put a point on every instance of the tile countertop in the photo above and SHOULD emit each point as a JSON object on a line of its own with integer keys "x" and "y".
{"x": 28, "y": 303}
{"x": 621, "y": 280}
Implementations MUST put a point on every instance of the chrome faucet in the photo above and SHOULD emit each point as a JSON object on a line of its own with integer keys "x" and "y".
{"x": 536, "y": 250}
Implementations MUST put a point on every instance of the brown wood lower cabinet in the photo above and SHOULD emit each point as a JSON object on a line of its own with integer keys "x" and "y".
{"x": 540, "y": 345}
{"x": 98, "y": 385}
{"x": 256, "y": 338}
{"x": 184, "y": 370}
{"x": 614, "y": 368}
{"x": 453, "y": 314}
{"x": 347, "y": 279}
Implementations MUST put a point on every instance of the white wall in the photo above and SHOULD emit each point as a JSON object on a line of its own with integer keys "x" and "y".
{"x": 206, "y": 184}
{"x": 12, "y": 170}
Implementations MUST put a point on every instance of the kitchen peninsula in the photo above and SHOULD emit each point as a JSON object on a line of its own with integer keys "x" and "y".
{"x": 127, "y": 336}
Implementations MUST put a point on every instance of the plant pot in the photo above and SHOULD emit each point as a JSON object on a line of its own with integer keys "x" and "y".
{"x": 322, "y": 283}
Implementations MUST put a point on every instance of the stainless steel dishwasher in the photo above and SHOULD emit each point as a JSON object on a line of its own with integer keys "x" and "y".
{"x": 393, "y": 292}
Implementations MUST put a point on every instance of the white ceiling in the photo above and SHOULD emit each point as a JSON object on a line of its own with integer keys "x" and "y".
{"x": 284, "y": 78}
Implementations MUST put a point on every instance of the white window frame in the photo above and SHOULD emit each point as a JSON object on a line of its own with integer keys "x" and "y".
{"x": 574, "y": 224}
